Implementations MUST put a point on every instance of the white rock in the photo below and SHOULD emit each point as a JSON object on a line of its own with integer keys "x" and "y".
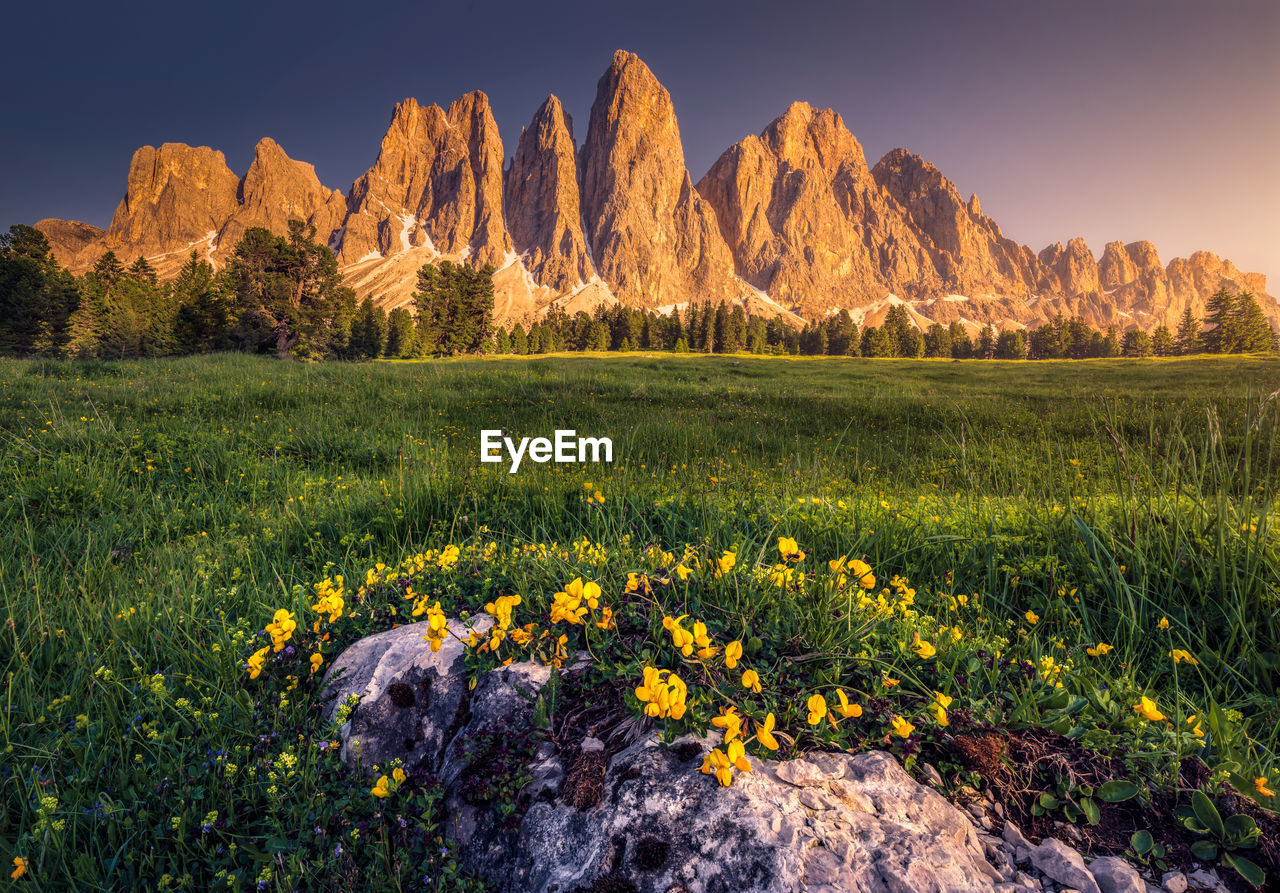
{"x": 1064, "y": 865}
{"x": 1115, "y": 875}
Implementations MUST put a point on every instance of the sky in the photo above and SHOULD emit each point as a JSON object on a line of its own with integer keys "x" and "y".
{"x": 1126, "y": 119}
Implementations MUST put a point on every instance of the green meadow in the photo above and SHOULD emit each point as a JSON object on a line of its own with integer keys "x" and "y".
{"x": 156, "y": 516}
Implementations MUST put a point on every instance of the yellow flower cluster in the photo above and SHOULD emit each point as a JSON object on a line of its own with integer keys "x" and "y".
{"x": 500, "y": 609}
{"x": 329, "y": 598}
{"x": 686, "y": 641}
{"x": 281, "y": 629}
{"x": 386, "y": 786}
{"x": 721, "y": 763}
{"x": 567, "y": 605}
{"x": 438, "y": 624}
{"x": 842, "y": 568}
{"x": 256, "y": 662}
{"x": 663, "y": 694}
{"x": 820, "y": 710}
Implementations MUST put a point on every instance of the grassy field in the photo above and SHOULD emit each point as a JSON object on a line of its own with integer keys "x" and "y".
{"x": 1015, "y": 516}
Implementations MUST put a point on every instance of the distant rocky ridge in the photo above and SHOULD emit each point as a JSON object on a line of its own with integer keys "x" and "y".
{"x": 791, "y": 222}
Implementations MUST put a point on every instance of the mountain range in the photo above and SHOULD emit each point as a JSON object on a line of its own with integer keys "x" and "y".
{"x": 792, "y": 222}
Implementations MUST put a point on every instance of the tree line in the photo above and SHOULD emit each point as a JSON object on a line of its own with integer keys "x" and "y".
{"x": 279, "y": 295}
{"x": 283, "y": 295}
{"x": 1233, "y": 324}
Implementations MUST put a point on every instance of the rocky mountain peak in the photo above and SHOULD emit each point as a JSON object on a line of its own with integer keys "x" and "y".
{"x": 967, "y": 247}
{"x": 541, "y": 201}
{"x": 654, "y": 240}
{"x": 437, "y": 182}
{"x": 177, "y": 195}
{"x": 277, "y": 189}
{"x": 803, "y": 136}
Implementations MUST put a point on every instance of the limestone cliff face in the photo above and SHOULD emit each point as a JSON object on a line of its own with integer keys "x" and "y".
{"x": 654, "y": 240}
{"x": 790, "y": 220}
{"x": 805, "y": 220}
{"x": 543, "y": 211}
{"x": 277, "y": 189}
{"x": 970, "y": 253}
{"x": 68, "y": 238}
{"x": 437, "y": 181}
{"x": 1069, "y": 271}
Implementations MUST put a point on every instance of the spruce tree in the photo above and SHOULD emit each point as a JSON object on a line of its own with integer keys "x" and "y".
{"x": 1189, "y": 338}
{"x": 1221, "y": 334}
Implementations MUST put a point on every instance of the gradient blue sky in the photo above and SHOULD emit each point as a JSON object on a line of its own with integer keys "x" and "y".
{"x": 1128, "y": 119}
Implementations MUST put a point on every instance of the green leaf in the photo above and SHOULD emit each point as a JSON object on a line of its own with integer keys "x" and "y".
{"x": 1091, "y": 811}
{"x": 1205, "y": 849}
{"x": 1048, "y": 801}
{"x": 1118, "y": 791}
{"x": 1241, "y": 830}
{"x": 1207, "y": 813}
{"x": 1248, "y": 870}
{"x": 279, "y": 845}
{"x": 1142, "y": 842}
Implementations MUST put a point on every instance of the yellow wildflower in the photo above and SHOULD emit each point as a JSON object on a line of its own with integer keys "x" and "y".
{"x": 789, "y": 549}
{"x": 732, "y": 654}
{"x": 717, "y": 763}
{"x": 1098, "y": 650}
{"x": 901, "y": 727}
{"x": 706, "y": 649}
{"x": 501, "y": 608}
{"x": 317, "y": 660}
{"x": 730, "y": 721}
{"x": 662, "y": 693}
{"x": 1194, "y": 721}
{"x": 398, "y": 775}
{"x": 256, "y": 662}
{"x": 751, "y": 680}
{"x": 1147, "y": 709}
{"x": 438, "y": 627}
{"x": 939, "y": 707}
{"x": 1180, "y": 656}
{"x": 1032, "y": 617}
{"x": 281, "y": 629}
{"x": 1260, "y": 784}
{"x": 847, "y": 710}
{"x": 725, "y": 563}
{"x": 1163, "y": 624}
{"x": 921, "y": 647}
{"x": 606, "y": 618}
{"x": 680, "y": 637}
{"x": 381, "y": 788}
{"x": 19, "y": 868}
{"x": 817, "y": 705}
{"x": 764, "y": 733}
{"x": 637, "y": 583}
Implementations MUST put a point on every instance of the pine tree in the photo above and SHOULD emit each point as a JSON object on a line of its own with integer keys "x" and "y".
{"x": 368, "y": 331}
{"x": 204, "y": 319}
{"x": 287, "y": 293}
{"x": 1221, "y": 334}
{"x": 1189, "y": 338}
{"x": 987, "y": 342}
{"x": 519, "y": 341}
{"x": 502, "y": 341}
{"x": 400, "y": 333}
{"x": 1136, "y": 343}
{"x": 1162, "y": 342}
{"x": 455, "y": 308}
{"x": 1254, "y": 333}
